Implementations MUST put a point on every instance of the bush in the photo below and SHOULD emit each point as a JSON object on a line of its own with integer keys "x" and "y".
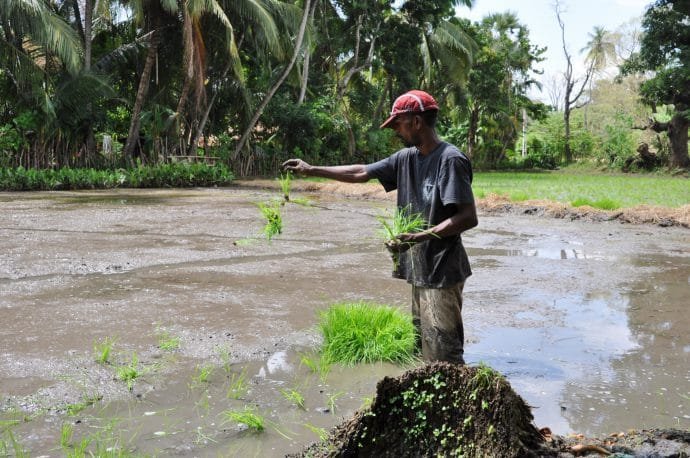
{"x": 164, "y": 175}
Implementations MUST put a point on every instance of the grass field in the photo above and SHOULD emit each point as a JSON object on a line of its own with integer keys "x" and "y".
{"x": 598, "y": 190}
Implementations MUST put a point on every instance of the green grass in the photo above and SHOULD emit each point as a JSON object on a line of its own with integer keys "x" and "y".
{"x": 602, "y": 190}
{"x": 365, "y": 333}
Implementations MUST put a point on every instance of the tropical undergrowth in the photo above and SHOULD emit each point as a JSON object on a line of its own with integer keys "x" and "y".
{"x": 143, "y": 176}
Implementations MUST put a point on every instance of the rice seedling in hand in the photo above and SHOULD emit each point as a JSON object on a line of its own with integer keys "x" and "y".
{"x": 274, "y": 221}
{"x": 403, "y": 222}
{"x": 365, "y": 333}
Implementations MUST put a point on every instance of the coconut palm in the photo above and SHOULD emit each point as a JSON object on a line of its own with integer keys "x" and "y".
{"x": 33, "y": 41}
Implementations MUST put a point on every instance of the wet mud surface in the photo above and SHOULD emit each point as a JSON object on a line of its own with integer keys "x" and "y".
{"x": 587, "y": 321}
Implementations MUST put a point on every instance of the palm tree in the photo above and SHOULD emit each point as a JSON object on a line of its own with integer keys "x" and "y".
{"x": 601, "y": 52}
{"x": 274, "y": 88}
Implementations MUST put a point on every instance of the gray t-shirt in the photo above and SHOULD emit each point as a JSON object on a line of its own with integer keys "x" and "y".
{"x": 430, "y": 185}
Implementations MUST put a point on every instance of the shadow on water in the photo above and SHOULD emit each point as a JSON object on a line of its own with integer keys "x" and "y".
{"x": 587, "y": 322}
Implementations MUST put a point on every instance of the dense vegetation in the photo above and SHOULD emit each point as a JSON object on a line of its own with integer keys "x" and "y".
{"x": 106, "y": 85}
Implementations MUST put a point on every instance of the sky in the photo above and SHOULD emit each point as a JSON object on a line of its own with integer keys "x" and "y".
{"x": 579, "y": 16}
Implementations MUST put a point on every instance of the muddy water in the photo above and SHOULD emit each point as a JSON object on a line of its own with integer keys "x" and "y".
{"x": 587, "y": 320}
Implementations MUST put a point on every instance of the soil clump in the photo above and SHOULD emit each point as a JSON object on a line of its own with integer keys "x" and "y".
{"x": 443, "y": 409}
{"x": 440, "y": 409}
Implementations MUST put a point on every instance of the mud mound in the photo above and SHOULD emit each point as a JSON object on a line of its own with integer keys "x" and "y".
{"x": 440, "y": 409}
{"x": 641, "y": 214}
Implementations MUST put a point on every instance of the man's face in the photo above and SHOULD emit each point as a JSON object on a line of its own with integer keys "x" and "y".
{"x": 406, "y": 128}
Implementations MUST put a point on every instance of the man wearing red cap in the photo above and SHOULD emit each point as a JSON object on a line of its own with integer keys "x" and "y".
{"x": 434, "y": 179}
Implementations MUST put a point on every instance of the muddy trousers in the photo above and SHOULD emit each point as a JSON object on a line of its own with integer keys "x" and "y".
{"x": 437, "y": 316}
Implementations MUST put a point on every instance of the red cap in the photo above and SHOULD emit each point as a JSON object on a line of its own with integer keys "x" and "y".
{"x": 411, "y": 102}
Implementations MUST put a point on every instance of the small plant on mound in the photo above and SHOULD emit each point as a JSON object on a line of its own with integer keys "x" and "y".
{"x": 440, "y": 409}
{"x": 364, "y": 333}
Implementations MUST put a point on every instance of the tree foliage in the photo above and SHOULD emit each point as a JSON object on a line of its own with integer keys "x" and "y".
{"x": 665, "y": 52}
{"x": 101, "y": 83}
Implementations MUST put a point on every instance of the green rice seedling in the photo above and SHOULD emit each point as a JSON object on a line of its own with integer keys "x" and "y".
{"x": 317, "y": 365}
{"x": 202, "y": 374}
{"x": 285, "y": 182}
{"x": 225, "y": 357}
{"x": 130, "y": 372}
{"x": 238, "y": 385}
{"x": 103, "y": 349}
{"x": 320, "y": 432}
{"x": 247, "y": 417}
{"x": 274, "y": 221}
{"x": 332, "y": 398}
{"x": 74, "y": 409}
{"x": 294, "y": 396}
{"x": 245, "y": 242}
{"x": 363, "y": 332}
{"x": 10, "y": 446}
{"x": 66, "y": 435}
{"x": 166, "y": 342}
{"x": 402, "y": 222}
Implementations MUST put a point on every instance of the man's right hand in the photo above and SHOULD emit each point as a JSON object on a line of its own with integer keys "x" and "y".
{"x": 297, "y": 166}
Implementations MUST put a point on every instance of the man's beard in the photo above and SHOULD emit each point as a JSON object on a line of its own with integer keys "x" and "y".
{"x": 408, "y": 143}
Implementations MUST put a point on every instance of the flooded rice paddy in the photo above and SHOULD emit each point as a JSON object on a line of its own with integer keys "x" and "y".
{"x": 588, "y": 321}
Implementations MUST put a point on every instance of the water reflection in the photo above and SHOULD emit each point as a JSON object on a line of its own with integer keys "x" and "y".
{"x": 652, "y": 381}
{"x": 598, "y": 361}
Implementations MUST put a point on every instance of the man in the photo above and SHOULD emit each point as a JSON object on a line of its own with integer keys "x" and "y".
{"x": 433, "y": 178}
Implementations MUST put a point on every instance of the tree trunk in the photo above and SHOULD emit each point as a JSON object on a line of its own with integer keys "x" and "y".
{"x": 472, "y": 131}
{"x": 678, "y": 136}
{"x": 566, "y": 122}
{"x": 88, "y": 32}
{"x": 133, "y": 136}
{"x": 305, "y": 65}
{"x": 204, "y": 119}
{"x": 269, "y": 95}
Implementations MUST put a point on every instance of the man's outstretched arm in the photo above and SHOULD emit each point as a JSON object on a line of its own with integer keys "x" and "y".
{"x": 356, "y": 173}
